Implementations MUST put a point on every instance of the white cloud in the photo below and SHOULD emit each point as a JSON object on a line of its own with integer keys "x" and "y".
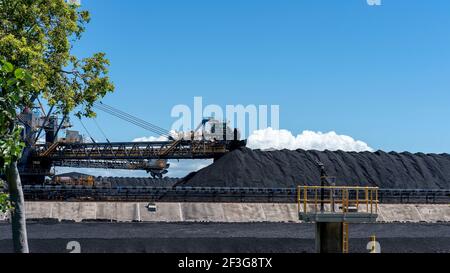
{"x": 184, "y": 167}
{"x": 177, "y": 168}
{"x": 308, "y": 140}
{"x": 150, "y": 139}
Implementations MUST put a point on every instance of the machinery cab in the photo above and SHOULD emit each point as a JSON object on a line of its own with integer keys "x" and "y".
{"x": 72, "y": 137}
{"x": 211, "y": 129}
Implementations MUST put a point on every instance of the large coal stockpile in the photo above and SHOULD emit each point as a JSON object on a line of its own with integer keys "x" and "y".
{"x": 135, "y": 182}
{"x": 280, "y": 169}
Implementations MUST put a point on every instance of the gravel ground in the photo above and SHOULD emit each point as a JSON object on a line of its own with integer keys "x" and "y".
{"x": 222, "y": 238}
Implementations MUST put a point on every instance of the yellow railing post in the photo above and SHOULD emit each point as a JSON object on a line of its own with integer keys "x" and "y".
{"x": 305, "y": 199}
{"x": 357, "y": 199}
{"x": 367, "y": 199}
{"x": 376, "y": 204}
{"x": 371, "y": 201}
{"x": 343, "y": 200}
{"x": 347, "y": 197}
{"x": 316, "y": 204}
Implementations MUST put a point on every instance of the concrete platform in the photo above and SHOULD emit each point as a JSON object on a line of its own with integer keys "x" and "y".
{"x": 213, "y": 212}
{"x": 328, "y": 217}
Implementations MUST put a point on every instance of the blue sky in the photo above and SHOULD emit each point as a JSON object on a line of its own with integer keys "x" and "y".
{"x": 379, "y": 74}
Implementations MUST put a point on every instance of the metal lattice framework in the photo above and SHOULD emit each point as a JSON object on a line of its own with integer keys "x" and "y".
{"x": 110, "y": 164}
{"x": 181, "y": 149}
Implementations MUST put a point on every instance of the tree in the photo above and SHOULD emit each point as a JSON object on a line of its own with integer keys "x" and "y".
{"x": 13, "y": 86}
{"x": 36, "y": 38}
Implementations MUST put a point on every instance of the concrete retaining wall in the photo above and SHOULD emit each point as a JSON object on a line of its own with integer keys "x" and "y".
{"x": 2, "y": 217}
{"x": 212, "y": 212}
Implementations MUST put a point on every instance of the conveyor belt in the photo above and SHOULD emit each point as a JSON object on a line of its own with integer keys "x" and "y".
{"x": 189, "y": 194}
{"x": 110, "y": 164}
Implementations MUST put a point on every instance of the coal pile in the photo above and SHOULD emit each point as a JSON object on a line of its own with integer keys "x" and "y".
{"x": 286, "y": 169}
{"x": 115, "y": 182}
{"x": 243, "y": 238}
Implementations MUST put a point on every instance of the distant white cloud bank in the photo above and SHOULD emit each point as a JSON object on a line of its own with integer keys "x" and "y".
{"x": 270, "y": 139}
{"x": 150, "y": 139}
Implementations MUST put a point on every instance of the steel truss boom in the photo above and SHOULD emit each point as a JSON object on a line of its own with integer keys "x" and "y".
{"x": 109, "y": 164}
{"x": 182, "y": 149}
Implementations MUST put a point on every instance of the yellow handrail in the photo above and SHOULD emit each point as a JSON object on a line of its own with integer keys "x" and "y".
{"x": 339, "y": 195}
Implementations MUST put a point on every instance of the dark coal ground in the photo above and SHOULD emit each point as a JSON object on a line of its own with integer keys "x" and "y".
{"x": 222, "y": 238}
{"x": 286, "y": 169}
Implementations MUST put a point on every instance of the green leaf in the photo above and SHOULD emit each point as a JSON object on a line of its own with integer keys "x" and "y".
{"x": 28, "y": 78}
{"x": 11, "y": 82}
{"x": 8, "y": 67}
{"x": 5, "y": 204}
{"x": 19, "y": 73}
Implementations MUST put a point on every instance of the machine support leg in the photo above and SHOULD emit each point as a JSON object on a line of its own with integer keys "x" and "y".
{"x": 329, "y": 237}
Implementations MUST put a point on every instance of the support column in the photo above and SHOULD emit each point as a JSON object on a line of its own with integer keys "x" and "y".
{"x": 329, "y": 237}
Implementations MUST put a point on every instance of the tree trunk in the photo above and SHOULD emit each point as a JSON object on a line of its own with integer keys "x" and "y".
{"x": 18, "y": 219}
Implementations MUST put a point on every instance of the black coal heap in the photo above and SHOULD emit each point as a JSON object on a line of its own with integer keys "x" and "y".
{"x": 284, "y": 169}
